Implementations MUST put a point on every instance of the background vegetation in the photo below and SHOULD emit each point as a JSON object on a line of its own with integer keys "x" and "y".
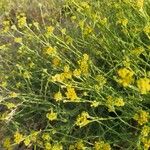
{"x": 74, "y": 74}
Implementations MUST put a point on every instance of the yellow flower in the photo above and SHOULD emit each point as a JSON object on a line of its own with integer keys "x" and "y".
{"x": 79, "y": 145}
{"x": 101, "y": 145}
{"x": 88, "y": 30}
{"x": 143, "y": 85}
{"x": 48, "y": 146}
{"x": 27, "y": 141}
{"x": 137, "y": 51}
{"x": 66, "y": 68}
{"x": 141, "y": 117}
{"x": 57, "y": 147}
{"x": 13, "y": 95}
{"x": 77, "y": 72}
{"x": 147, "y": 29}
{"x": 112, "y": 102}
{"x": 139, "y": 3}
{"x": 58, "y": 96}
{"x": 146, "y": 143}
{"x": 82, "y": 119}
{"x": 101, "y": 81}
{"x": 18, "y": 40}
{"x": 63, "y": 31}
{"x": 7, "y": 143}
{"x": 145, "y": 131}
{"x": 119, "y": 102}
{"x": 22, "y": 21}
{"x": 50, "y": 30}
{"x": 4, "y": 84}
{"x": 124, "y": 21}
{"x": 6, "y": 26}
{"x": 56, "y": 62}
{"x": 124, "y": 72}
{"x": 51, "y": 116}
{"x": 95, "y": 104}
{"x": 85, "y": 5}
{"x": 34, "y": 135}
{"x": 126, "y": 76}
{"x": 46, "y": 137}
{"x": 27, "y": 75}
{"x": 50, "y": 50}
{"x": 58, "y": 77}
{"x": 31, "y": 64}
{"x": 18, "y": 138}
{"x": 84, "y": 67}
{"x": 67, "y": 75}
{"x": 85, "y": 57}
{"x": 71, "y": 94}
{"x": 10, "y": 105}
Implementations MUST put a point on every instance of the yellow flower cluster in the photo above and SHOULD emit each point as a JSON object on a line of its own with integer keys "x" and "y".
{"x": 58, "y": 96}
{"x": 126, "y": 76}
{"x": 137, "y": 51}
{"x": 50, "y": 29}
{"x": 18, "y": 138}
{"x": 57, "y": 146}
{"x": 101, "y": 145}
{"x": 48, "y": 146}
{"x": 123, "y": 21}
{"x": 147, "y": 29}
{"x": 112, "y": 102}
{"x": 145, "y": 131}
{"x": 82, "y": 119}
{"x": 71, "y": 94}
{"x": 139, "y": 3}
{"x": 50, "y": 51}
{"x": 79, "y": 145}
{"x": 141, "y": 117}
{"x": 143, "y": 85}
{"x": 51, "y": 116}
{"x": 146, "y": 143}
{"x": 6, "y": 26}
{"x": 22, "y": 20}
{"x": 27, "y": 141}
{"x": 7, "y": 143}
{"x": 13, "y": 94}
{"x": 95, "y": 103}
{"x": 88, "y": 30}
{"x": 67, "y": 74}
{"x": 77, "y": 72}
{"x": 101, "y": 81}
{"x": 84, "y": 66}
{"x": 18, "y": 40}
{"x": 56, "y": 61}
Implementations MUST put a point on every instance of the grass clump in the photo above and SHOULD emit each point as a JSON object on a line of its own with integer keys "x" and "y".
{"x": 76, "y": 79}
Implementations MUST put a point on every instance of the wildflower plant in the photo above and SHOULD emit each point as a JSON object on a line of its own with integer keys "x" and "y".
{"x": 75, "y": 78}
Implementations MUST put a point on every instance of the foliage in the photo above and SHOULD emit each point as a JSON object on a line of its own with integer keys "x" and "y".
{"x": 76, "y": 75}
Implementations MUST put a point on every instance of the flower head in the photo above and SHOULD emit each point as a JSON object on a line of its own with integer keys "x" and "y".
{"x": 51, "y": 116}
{"x": 82, "y": 119}
{"x": 141, "y": 117}
{"x": 71, "y": 94}
{"x": 126, "y": 76}
{"x": 143, "y": 85}
{"x": 101, "y": 145}
{"x": 18, "y": 137}
{"x": 58, "y": 96}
